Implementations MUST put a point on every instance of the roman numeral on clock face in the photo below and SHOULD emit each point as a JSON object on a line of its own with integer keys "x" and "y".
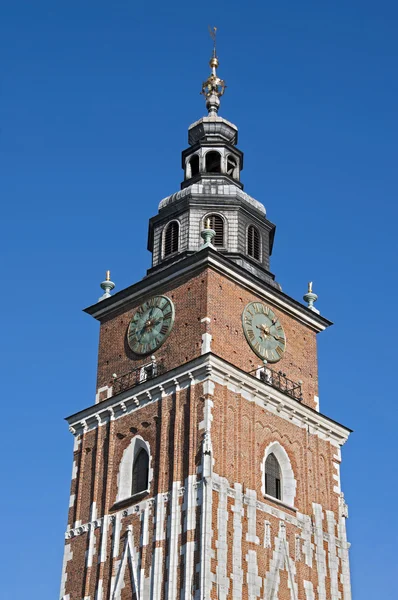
{"x": 164, "y": 329}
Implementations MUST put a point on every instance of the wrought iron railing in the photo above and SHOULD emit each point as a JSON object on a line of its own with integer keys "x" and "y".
{"x": 133, "y": 378}
{"x": 279, "y": 381}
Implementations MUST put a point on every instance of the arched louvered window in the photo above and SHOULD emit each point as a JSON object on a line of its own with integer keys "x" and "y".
{"x": 272, "y": 477}
{"x": 140, "y": 472}
{"x": 171, "y": 238}
{"x": 217, "y": 223}
{"x": 213, "y": 162}
{"x": 253, "y": 242}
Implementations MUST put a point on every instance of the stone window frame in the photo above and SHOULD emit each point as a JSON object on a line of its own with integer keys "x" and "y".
{"x": 288, "y": 481}
{"x": 259, "y": 260}
{"x": 125, "y": 474}
{"x": 163, "y": 239}
{"x": 225, "y": 227}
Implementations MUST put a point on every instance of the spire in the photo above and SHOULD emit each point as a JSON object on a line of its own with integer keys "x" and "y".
{"x": 214, "y": 87}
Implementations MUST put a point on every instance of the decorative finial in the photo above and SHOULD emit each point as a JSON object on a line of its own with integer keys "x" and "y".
{"x": 214, "y": 87}
{"x": 310, "y": 297}
{"x": 207, "y": 234}
{"x": 107, "y": 286}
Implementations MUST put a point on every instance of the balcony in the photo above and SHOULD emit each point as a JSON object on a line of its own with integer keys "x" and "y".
{"x": 133, "y": 378}
{"x": 279, "y": 381}
{"x": 275, "y": 379}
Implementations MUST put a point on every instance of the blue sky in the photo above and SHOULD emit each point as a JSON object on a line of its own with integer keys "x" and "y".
{"x": 95, "y": 102}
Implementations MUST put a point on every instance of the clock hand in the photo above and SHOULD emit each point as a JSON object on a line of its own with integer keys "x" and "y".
{"x": 277, "y": 337}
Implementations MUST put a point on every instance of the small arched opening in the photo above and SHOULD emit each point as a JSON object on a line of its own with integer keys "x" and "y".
{"x": 194, "y": 165}
{"x": 213, "y": 162}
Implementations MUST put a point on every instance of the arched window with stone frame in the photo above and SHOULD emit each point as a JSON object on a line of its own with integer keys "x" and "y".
{"x": 171, "y": 234}
{"x": 278, "y": 479}
{"x": 272, "y": 477}
{"x": 216, "y": 222}
{"x": 135, "y": 472}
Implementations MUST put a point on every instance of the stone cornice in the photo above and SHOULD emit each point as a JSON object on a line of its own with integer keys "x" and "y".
{"x": 209, "y": 367}
{"x": 191, "y": 265}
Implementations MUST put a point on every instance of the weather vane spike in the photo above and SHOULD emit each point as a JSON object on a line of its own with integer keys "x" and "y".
{"x": 213, "y": 35}
{"x": 214, "y": 87}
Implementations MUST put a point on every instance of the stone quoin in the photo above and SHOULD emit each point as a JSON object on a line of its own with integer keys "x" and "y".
{"x": 205, "y": 468}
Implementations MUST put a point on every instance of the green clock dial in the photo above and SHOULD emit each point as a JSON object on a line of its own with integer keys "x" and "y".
{"x": 264, "y": 331}
{"x": 150, "y": 325}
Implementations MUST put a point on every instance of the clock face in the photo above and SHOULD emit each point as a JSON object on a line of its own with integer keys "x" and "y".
{"x": 264, "y": 332}
{"x": 150, "y": 325}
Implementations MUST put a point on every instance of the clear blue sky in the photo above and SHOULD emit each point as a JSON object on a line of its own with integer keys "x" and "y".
{"x": 95, "y": 101}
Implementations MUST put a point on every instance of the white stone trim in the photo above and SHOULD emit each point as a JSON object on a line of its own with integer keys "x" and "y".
{"x": 106, "y": 388}
{"x": 92, "y": 538}
{"x": 267, "y": 534}
{"x": 125, "y": 474}
{"x": 68, "y": 555}
{"x": 237, "y": 573}
{"x": 130, "y": 556}
{"x": 189, "y": 550}
{"x": 157, "y": 564}
{"x": 332, "y": 556}
{"x": 288, "y": 481}
{"x": 251, "y": 535}
{"x": 174, "y": 530}
{"x": 206, "y": 343}
{"x": 320, "y": 550}
{"x": 343, "y": 550}
{"x": 309, "y": 590}
{"x": 222, "y": 541}
{"x": 254, "y": 582}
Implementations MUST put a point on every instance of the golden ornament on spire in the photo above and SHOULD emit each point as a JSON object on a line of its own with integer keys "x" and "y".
{"x": 214, "y": 87}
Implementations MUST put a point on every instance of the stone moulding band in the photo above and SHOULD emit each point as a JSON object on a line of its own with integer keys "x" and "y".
{"x": 209, "y": 367}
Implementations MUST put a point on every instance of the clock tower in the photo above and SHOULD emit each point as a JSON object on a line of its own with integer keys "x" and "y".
{"x": 205, "y": 468}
